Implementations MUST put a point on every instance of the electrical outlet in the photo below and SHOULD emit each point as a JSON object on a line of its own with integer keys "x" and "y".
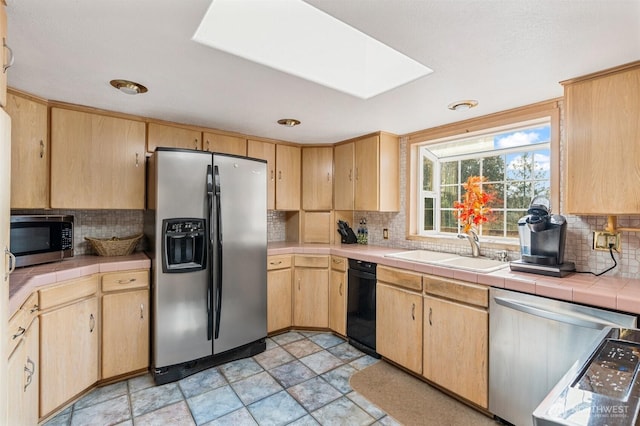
{"x": 604, "y": 240}
{"x": 385, "y": 233}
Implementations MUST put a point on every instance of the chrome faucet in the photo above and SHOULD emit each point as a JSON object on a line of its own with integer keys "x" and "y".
{"x": 473, "y": 240}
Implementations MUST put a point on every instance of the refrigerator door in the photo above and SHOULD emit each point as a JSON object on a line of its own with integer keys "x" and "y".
{"x": 239, "y": 252}
{"x": 180, "y": 303}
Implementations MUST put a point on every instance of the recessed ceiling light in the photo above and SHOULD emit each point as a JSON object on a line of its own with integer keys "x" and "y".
{"x": 462, "y": 105}
{"x": 288, "y": 122}
{"x": 128, "y": 87}
{"x": 296, "y": 38}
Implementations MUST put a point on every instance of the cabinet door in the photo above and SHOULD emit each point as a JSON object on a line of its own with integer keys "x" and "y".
{"x": 454, "y": 329}
{"x": 311, "y": 298}
{"x": 32, "y": 372}
{"x": 172, "y": 136}
{"x": 97, "y": 161}
{"x": 317, "y": 178}
{"x": 603, "y": 149}
{"x": 288, "y": 177}
{"x": 338, "y": 302}
{"x": 68, "y": 352}
{"x": 5, "y": 54}
{"x": 15, "y": 384}
{"x": 278, "y": 299}
{"x": 266, "y": 151}
{"x": 125, "y": 332}
{"x": 343, "y": 159}
{"x": 215, "y": 142}
{"x": 367, "y": 176}
{"x": 5, "y": 188}
{"x": 399, "y": 326}
{"x": 29, "y": 153}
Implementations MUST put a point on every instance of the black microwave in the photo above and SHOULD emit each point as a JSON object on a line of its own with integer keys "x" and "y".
{"x": 41, "y": 238}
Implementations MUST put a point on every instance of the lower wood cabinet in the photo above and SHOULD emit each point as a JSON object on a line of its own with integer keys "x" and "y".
{"x": 23, "y": 381}
{"x": 311, "y": 291}
{"x": 456, "y": 324}
{"x": 69, "y": 352}
{"x": 338, "y": 295}
{"x": 279, "y": 298}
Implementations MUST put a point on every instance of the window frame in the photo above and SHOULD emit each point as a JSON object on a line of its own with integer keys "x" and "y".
{"x": 548, "y": 109}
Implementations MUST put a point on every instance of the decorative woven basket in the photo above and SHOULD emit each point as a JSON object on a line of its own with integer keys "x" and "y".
{"x": 114, "y": 246}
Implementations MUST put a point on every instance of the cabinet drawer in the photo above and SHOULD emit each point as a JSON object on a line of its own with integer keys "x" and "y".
{"x": 17, "y": 327}
{"x": 399, "y": 277}
{"x": 278, "y": 262}
{"x": 338, "y": 263}
{"x": 125, "y": 280}
{"x": 473, "y": 294}
{"x": 312, "y": 261}
{"x": 31, "y": 307}
{"x": 68, "y": 291}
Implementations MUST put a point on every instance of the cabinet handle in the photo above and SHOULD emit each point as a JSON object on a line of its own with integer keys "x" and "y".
{"x": 430, "y": 313}
{"x": 413, "y": 311}
{"x": 5, "y": 67}
{"x": 35, "y": 308}
{"x": 328, "y": 177}
{"x": 41, "y": 148}
{"x": 350, "y": 175}
{"x": 12, "y": 263}
{"x": 340, "y": 289}
{"x": 30, "y": 371}
{"x": 92, "y": 323}
{"x": 337, "y": 261}
{"x": 279, "y": 174}
{"x": 195, "y": 144}
{"x": 20, "y": 332}
{"x": 137, "y": 159}
{"x": 356, "y": 173}
{"x": 275, "y": 263}
{"x": 130, "y": 280}
{"x": 298, "y": 284}
{"x": 272, "y": 174}
{"x": 141, "y": 311}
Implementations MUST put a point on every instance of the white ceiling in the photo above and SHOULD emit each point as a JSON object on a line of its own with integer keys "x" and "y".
{"x": 504, "y": 53}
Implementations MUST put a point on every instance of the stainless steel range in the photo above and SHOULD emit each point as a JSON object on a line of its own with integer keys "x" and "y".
{"x": 602, "y": 388}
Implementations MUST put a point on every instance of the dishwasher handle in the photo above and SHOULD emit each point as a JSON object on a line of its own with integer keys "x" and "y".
{"x": 594, "y": 323}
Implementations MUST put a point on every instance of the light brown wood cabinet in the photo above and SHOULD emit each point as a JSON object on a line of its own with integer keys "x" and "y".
{"x": 29, "y": 152}
{"x": 603, "y": 142}
{"x": 338, "y": 295}
{"x": 399, "y": 317}
{"x": 456, "y": 321}
{"x": 279, "y": 297}
{"x": 97, "y": 161}
{"x": 69, "y": 342}
{"x": 226, "y": 144}
{"x": 6, "y": 55}
{"x": 317, "y": 178}
{"x": 24, "y": 365}
{"x": 266, "y": 151}
{"x": 288, "y": 177}
{"x": 125, "y": 322}
{"x": 5, "y": 191}
{"x": 311, "y": 291}
{"x": 344, "y": 164}
{"x": 377, "y": 181}
{"x": 163, "y": 135}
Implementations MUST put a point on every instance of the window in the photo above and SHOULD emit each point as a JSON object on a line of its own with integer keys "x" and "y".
{"x": 516, "y": 158}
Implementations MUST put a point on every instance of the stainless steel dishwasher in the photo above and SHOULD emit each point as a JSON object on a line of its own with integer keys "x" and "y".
{"x": 533, "y": 342}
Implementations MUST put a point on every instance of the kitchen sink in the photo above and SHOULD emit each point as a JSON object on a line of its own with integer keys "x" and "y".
{"x": 450, "y": 260}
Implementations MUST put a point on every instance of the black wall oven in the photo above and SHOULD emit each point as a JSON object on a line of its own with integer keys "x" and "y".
{"x": 361, "y": 306}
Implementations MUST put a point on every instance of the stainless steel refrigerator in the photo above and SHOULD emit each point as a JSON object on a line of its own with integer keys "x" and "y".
{"x": 206, "y": 222}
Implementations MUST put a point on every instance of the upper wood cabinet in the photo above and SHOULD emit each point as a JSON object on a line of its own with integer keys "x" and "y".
{"x": 172, "y": 136}
{"x": 225, "y": 144}
{"x": 29, "y": 152}
{"x": 287, "y": 177}
{"x": 317, "y": 178}
{"x": 344, "y": 163}
{"x": 97, "y": 161}
{"x": 367, "y": 174}
{"x": 603, "y": 142}
{"x": 266, "y": 151}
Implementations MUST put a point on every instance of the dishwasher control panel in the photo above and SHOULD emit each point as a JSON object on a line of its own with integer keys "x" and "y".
{"x": 612, "y": 370}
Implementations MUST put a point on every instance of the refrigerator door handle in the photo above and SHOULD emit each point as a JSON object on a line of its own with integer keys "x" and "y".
{"x": 216, "y": 179}
{"x": 210, "y": 253}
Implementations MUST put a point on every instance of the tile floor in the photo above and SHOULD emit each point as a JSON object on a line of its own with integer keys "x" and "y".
{"x": 301, "y": 379}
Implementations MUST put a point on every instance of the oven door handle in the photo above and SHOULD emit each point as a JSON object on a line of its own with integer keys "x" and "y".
{"x": 565, "y": 317}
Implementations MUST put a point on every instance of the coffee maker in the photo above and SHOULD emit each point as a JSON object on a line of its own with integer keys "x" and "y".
{"x": 542, "y": 239}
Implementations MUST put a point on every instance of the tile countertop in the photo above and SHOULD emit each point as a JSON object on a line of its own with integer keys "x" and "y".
{"x": 622, "y": 294}
{"x": 23, "y": 281}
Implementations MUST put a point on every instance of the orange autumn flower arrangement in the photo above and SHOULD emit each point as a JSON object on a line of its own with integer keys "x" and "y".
{"x": 473, "y": 211}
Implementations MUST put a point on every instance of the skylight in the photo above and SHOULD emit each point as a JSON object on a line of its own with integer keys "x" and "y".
{"x": 296, "y": 38}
